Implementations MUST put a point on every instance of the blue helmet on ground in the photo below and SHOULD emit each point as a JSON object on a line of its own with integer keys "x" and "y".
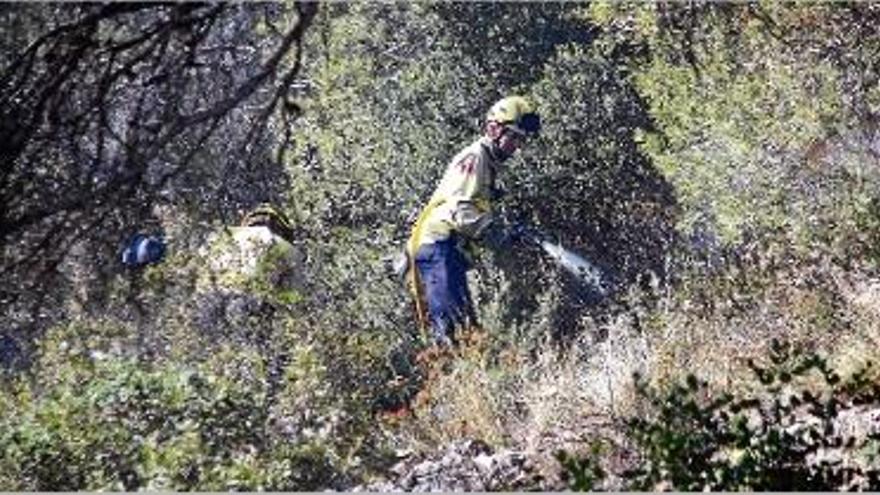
{"x": 143, "y": 250}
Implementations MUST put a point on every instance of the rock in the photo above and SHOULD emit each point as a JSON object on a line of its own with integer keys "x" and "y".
{"x": 463, "y": 466}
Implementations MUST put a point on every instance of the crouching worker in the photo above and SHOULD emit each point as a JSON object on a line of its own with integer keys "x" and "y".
{"x": 457, "y": 215}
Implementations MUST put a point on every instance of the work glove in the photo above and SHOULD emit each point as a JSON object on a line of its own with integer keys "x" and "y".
{"x": 502, "y": 238}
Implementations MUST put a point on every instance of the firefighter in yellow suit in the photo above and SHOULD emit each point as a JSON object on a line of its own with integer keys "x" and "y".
{"x": 457, "y": 214}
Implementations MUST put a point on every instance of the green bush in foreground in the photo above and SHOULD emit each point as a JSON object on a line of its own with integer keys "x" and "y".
{"x": 129, "y": 429}
{"x": 785, "y": 436}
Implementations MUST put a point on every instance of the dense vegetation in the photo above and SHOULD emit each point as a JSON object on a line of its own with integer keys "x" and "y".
{"x": 718, "y": 160}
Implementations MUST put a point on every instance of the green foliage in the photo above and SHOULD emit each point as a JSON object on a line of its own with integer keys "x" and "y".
{"x": 608, "y": 199}
{"x": 581, "y": 473}
{"x": 127, "y": 428}
{"x": 382, "y": 112}
{"x": 669, "y": 129}
{"x": 727, "y": 87}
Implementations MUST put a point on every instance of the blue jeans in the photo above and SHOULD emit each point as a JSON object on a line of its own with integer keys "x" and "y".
{"x": 443, "y": 272}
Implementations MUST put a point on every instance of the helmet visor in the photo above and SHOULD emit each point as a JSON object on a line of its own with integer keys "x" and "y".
{"x": 530, "y": 123}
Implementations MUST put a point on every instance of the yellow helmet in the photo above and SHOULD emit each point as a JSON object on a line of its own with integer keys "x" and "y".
{"x": 517, "y": 113}
{"x": 268, "y": 216}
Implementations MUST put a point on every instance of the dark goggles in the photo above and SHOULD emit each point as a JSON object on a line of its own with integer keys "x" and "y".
{"x": 530, "y": 123}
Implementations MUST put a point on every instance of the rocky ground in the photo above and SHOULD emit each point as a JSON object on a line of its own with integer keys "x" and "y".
{"x": 474, "y": 466}
{"x": 464, "y": 466}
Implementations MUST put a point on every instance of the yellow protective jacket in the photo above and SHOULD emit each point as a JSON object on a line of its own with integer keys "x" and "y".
{"x": 462, "y": 202}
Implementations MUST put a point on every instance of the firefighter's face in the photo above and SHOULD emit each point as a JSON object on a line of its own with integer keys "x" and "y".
{"x": 510, "y": 141}
{"x": 506, "y": 140}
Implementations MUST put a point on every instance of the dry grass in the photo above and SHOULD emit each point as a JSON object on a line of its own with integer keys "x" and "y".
{"x": 547, "y": 400}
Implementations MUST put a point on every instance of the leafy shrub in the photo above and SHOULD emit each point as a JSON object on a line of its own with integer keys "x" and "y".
{"x": 128, "y": 428}
{"x": 581, "y": 472}
{"x": 725, "y": 86}
{"x": 785, "y": 436}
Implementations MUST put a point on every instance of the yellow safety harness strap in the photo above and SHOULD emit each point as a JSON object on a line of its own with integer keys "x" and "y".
{"x": 412, "y": 248}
